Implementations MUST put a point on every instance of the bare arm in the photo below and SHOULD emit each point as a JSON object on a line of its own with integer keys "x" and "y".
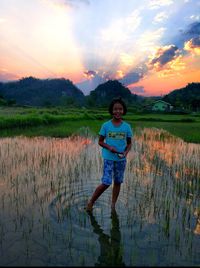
{"x": 105, "y": 145}
{"x": 128, "y": 147}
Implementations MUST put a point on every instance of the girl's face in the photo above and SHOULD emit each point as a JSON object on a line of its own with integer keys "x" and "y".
{"x": 118, "y": 110}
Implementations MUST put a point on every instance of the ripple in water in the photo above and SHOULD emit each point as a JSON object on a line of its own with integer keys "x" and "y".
{"x": 86, "y": 235}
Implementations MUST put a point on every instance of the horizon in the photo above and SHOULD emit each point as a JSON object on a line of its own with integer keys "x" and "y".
{"x": 152, "y": 47}
{"x": 52, "y": 78}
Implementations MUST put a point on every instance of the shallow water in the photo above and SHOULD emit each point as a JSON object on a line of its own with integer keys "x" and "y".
{"x": 45, "y": 184}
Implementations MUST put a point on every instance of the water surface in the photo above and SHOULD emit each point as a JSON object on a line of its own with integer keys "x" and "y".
{"x": 45, "y": 184}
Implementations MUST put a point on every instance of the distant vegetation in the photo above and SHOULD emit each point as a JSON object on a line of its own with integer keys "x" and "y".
{"x": 36, "y": 92}
{"x": 63, "y": 122}
{"x": 62, "y": 92}
{"x": 187, "y": 97}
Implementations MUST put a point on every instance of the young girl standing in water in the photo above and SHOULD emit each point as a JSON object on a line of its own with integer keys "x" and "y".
{"x": 115, "y": 138}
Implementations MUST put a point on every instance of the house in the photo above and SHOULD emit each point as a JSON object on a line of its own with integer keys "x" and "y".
{"x": 162, "y": 106}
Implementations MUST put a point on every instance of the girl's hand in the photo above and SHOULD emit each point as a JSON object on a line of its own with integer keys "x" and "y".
{"x": 125, "y": 153}
{"x": 121, "y": 155}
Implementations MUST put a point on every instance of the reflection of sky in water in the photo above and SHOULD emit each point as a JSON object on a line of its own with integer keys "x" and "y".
{"x": 45, "y": 184}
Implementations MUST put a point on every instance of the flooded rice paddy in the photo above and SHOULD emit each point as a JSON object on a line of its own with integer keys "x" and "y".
{"x": 45, "y": 184}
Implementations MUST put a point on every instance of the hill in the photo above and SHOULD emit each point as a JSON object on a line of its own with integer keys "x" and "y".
{"x": 37, "y": 92}
{"x": 104, "y": 93}
{"x": 55, "y": 92}
{"x": 187, "y": 97}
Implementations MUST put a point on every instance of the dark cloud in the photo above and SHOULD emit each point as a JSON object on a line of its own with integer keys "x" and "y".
{"x": 89, "y": 73}
{"x": 195, "y": 42}
{"x": 193, "y": 45}
{"x": 131, "y": 78}
{"x": 193, "y": 29}
{"x": 165, "y": 56}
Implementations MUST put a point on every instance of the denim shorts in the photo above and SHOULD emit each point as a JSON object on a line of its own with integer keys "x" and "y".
{"x": 113, "y": 170}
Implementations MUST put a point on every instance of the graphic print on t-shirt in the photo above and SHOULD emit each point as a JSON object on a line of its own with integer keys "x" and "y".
{"x": 117, "y": 135}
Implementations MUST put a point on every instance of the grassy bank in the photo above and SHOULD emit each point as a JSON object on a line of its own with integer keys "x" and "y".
{"x": 56, "y": 122}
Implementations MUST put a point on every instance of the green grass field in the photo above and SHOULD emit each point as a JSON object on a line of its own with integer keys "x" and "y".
{"x": 60, "y": 122}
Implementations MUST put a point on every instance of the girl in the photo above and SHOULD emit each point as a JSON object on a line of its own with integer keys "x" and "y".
{"x": 115, "y": 138}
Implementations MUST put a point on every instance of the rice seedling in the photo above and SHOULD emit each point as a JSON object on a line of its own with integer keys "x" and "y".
{"x": 45, "y": 183}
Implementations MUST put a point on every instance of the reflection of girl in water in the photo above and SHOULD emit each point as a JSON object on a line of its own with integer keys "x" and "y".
{"x": 110, "y": 246}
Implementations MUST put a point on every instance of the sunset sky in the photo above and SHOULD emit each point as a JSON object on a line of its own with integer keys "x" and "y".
{"x": 152, "y": 47}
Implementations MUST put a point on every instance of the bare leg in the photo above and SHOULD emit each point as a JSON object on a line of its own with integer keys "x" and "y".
{"x": 115, "y": 193}
{"x": 99, "y": 190}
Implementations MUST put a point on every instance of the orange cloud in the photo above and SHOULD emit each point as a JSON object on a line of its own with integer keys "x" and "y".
{"x": 119, "y": 74}
{"x": 193, "y": 45}
{"x": 173, "y": 67}
{"x": 176, "y": 74}
{"x": 162, "y": 57}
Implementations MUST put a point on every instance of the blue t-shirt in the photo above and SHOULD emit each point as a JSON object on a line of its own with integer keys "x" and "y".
{"x": 115, "y": 136}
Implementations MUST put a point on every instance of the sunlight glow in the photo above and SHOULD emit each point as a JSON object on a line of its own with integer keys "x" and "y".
{"x": 110, "y": 39}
